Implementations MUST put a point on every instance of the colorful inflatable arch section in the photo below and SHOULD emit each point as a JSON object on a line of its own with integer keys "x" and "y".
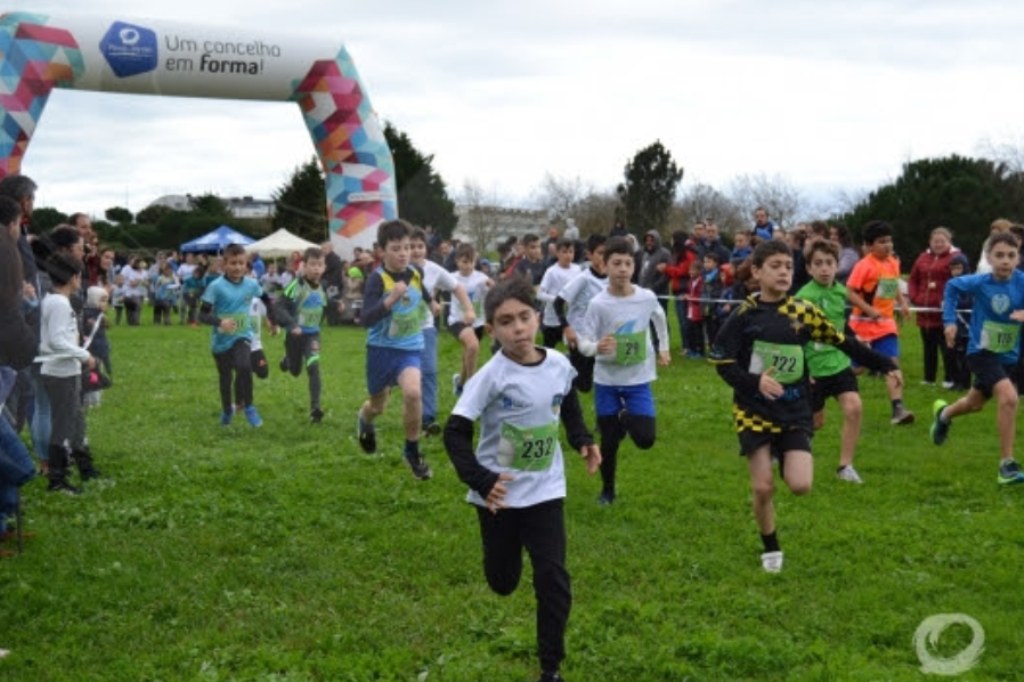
{"x": 38, "y": 53}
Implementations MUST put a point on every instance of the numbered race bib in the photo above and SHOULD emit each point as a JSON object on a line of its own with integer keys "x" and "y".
{"x": 243, "y": 323}
{"x": 310, "y": 317}
{"x": 787, "y": 359}
{"x": 999, "y": 337}
{"x": 888, "y": 288}
{"x": 406, "y": 323}
{"x": 528, "y": 449}
{"x": 631, "y": 349}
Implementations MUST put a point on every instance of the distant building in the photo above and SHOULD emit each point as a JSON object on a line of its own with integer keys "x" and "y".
{"x": 247, "y": 207}
{"x": 494, "y": 224}
{"x": 239, "y": 207}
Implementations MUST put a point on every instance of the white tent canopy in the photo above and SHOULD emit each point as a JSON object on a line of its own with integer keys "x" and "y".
{"x": 279, "y": 245}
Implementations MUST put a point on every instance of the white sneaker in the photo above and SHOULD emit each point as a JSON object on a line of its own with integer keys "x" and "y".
{"x": 848, "y": 473}
{"x": 947, "y": 385}
{"x": 771, "y": 561}
{"x": 457, "y": 384}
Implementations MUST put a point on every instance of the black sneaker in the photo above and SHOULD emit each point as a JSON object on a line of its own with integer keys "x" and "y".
{"x": 551, "y": 677}
{"x": 606, "y": 498}
{"x": 431, "y": 429}
{"x": 90, "y": 473}
{"x": 419, "y": 466}
{"x": 283, "y": 364}
{"x": 316, "y": 415}
{"x": 367, "y": 435}
{"x": 63, "y": 487}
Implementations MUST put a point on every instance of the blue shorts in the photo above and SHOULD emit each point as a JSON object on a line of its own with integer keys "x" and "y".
{"x": 636, "y": 399}
{"x": 385, "y": 365}
{"x": 888, "y": 345}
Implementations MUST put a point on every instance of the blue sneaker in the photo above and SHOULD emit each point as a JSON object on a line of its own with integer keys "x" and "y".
{"x": 940, "y": 429}
{"x": 1010, "y": 473}
{"x": 253, "y": 417}
{"x": 367, "y": 435}
{"x": 225, "y": 418}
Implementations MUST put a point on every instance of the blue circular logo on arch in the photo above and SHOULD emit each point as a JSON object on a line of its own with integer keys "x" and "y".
{"x": 129, "y": 49}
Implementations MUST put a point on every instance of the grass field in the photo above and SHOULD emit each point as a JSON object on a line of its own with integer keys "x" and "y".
{"x": 285, "y": 554}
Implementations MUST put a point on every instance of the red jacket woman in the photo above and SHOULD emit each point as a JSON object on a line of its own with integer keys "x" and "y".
{"x": 926, "y": 286}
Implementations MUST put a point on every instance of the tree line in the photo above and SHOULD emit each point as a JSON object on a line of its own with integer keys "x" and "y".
{"x": 961, "y": 193}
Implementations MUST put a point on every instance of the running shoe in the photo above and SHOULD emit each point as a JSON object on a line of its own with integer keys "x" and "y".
{"x": 771, "y": 561}
{"x": 367, "y": 435}
{"x": 1010, "y": 473}
{"x": 940, "y": 429}
{"x": 849, "y": 474}
{"x": 902, "y": 416}
{"x": 418, "y": 465}
{"x": 253, "y": 417}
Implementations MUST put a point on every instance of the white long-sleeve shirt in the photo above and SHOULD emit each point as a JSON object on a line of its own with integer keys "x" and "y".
{"x": 59, "y": 351}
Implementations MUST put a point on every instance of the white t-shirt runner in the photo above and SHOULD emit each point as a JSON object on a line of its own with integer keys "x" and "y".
{"x": 519, "y": 408}
{"x": 577, "y": 294}
{"x": 436, "y": 278}
{"x": 554, "y": 280}
{"x": 476, "y": 288}
{"x": 628, "y": 318}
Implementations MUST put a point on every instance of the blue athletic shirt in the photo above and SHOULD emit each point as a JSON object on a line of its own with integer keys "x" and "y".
{"x": 231, "y": 301}
{"x": 401, "y": 326}
{"x": 991, "y": 327}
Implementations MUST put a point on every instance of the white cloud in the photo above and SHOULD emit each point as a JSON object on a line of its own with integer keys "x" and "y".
{"x": 827, "y": 94}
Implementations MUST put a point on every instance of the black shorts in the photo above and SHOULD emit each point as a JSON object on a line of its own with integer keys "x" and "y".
{"x": 781, "y": 443}
{"x": 456, "y": 329}
{"x": 831, "y": 386}
{"x": 988, "y": 370}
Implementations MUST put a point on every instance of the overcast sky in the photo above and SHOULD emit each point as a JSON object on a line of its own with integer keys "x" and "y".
{"x": 831, "y": 95}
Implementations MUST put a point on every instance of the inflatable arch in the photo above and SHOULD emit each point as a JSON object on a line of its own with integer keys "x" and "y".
{"x": 38, "y": 54}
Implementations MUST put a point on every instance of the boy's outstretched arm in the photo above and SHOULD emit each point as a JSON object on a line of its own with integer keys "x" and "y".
{"x": 576, "y": 430}
{"x": 458, "y": 442}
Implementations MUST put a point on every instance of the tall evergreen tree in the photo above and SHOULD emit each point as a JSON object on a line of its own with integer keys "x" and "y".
{"x": 649, "y": 189}
{"x": 422, "y": 196}
{"x": 961, "y": 193}
{"x": 300, "y": 205}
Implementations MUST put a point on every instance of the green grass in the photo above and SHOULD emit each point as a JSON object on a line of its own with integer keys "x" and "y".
{"x": 285, "y": 554}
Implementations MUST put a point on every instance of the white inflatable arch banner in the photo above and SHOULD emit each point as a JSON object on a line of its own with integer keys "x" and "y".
{"x": 145, "y": 57}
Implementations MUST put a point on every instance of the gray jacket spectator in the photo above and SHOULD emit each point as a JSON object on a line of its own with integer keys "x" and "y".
{"x": 654, "y": 253}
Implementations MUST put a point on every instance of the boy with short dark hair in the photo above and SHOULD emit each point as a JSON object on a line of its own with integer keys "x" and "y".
{"x": 993, "y": 348}
{"x": 874, "y": 290}
{"x": 437, "y": 279}
{"x": 469, "y": 334}
{"x": 532, "y": 265}
{"x": 394, "y": 303}
{"x": 517, "y": 474}
{"x": 830, "y": 367}
{"x": 616, "y": 330}
{"x": 571, "y": 305}
{"x": 300, "y": 311}
{"x": 559, "y": 274}
{"x": 759, "y": 352}
{"x": 225, "y": 305}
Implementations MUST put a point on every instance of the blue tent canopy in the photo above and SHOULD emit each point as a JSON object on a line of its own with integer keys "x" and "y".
{"x": 215, "y": 241}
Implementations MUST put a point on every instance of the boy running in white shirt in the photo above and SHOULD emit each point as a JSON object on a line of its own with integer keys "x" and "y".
{"x": 517, "y": 474}
{"x": 436, "y": 278}
{"x": 616, "y": 329}
{"x": 475, "y": 284}
{"x": 563, "y": 271}
{"x": 571, "y": 305}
